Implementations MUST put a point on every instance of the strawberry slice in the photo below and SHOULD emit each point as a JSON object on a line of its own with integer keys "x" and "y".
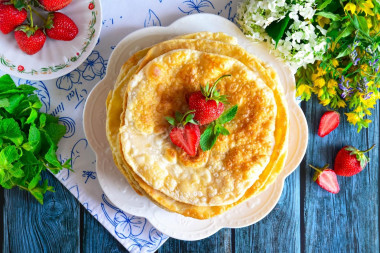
{"x": 207, "y": 103}
{"x": 187, "y": 138}
{"x": 326, "y": 179}
{"x": 329, "y": 121}
{"x": 185, "y": 133}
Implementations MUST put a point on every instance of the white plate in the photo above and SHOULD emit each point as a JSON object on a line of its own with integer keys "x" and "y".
{"x": 56, "y": 58}
{"x": 115, "y": 185}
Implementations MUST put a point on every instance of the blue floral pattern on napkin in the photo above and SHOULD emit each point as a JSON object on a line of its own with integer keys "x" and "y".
{"x": 65, "y": 97}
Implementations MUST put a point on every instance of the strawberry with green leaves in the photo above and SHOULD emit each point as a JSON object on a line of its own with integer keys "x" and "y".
{"x": 12, "y": 14}
{"x": 58, "y": 26}
{"x": 326, "y": 179}
{"x": 350, "y": 161}
{"x": 185, "y": 132}
{"x": 207, "y": 103}
{"x": 30, "y": 38}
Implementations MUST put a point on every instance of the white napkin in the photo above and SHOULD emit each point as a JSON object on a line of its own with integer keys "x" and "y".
{"x": 65, "y": 97}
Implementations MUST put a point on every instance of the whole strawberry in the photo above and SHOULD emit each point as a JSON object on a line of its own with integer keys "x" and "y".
{"x": 11, "y": 17}
{"x": 53, "y": 5}
{"x": 326, "y": 179}
{"x": 30, "y": 39}
{"x": 207, "y": 103}
{"x": 185, "y": 133}
{"x": 350, "y": 161}
{"x": 58, "y": 26}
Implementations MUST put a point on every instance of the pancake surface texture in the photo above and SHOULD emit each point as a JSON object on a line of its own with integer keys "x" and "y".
{"x": 154, "y": 83}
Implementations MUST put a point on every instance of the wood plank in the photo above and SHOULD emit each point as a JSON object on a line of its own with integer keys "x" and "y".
{"x": 219, "y": 242}
{"x": 349, "y": 220}
{"x": 95, "y": 238}
{"x": 280, "y": 230}
{"x": 31, "y": 227}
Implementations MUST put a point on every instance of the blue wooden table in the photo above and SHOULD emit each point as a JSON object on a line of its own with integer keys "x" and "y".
{"x": 306, "y": 219}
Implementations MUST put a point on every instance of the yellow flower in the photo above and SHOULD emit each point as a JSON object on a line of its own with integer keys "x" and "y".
{"x": 325, "y": 102}
{"x": 367, "y": 121}
{"x": 322, "y": 21}
{"x": 320, "y": 82}
{"x": 314, "y": 77}
{"x": 335, "y": 63}
{"x": 341, "y": 104}
{"x": 350, "y": 7}
{"x": 321, "y": 71}
{"x": 332, "y": 91}
{"x": 369, "y": 23}
{"x": 358, "y": 109}
{"x": 378, "y": 16}
{"x": 320, "y": 93}
{"x": 352, "y": 117}
{"x": 303, "y": 88}
{"x": 332, "y": 83}
{"x": 366, "y": 7}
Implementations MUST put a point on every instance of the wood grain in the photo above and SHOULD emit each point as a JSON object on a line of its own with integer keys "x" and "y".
{"x": 31, "y": 227}
{"x": 280, "y": 230}
{"x": 347, "y": 221}
{"x": 95, "y": 238}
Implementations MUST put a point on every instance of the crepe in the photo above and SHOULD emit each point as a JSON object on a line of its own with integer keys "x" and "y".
{"x": 280, "y": 133}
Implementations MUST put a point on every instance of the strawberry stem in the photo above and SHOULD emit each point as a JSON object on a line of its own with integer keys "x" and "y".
{"x": 31, "y": 15}
{"x": 319, "y": 169}
{"x": 38, "y": 14}
{"x": 216, "y": 82}
{"x": 365, "y": 151}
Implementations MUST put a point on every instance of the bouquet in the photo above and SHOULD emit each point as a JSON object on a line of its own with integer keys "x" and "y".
{"x": 336, "y": 58}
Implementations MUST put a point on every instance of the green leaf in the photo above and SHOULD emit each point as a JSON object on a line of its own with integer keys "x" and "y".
{"x": 346, "y": 32}
{"x": 277, "y": 29}
{"x": 343, "y": 53}
{"x": 14, "y": 102}
{"x": 178, "y": 116}
{"x": 4, "y": 102}
{"x": 16, "y": 170}
{"x": 363, "y": 24}
{"x": 170, "y": 120}
{"x": 32, "y": 117}
{"x": 323, "y": 4}
{"x": 208, "y": 138}
{"x": 42, "y": 120}
{"x": 6, "y": 83}
{"x": 51, "y": 158}
{"x": 55, "y": 131}
{"x": 332, "y": 16}
{"x": 8, "y": 155}
{"x": 228, "y": 115}
{"x": 9, "y": 129}
{"x": 189, "y": 118}
{"x": 224, "y": 131}
{"x": 36, "y": 179}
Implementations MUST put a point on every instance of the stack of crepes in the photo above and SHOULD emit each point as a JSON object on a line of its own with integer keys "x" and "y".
{"x": 154, "y": 83}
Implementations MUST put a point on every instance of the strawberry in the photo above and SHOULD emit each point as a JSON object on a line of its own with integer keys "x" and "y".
{"x": 30, "y": 39}
{"x": 185, "y": 133}
{"x": 60, "y": 27}
{"x": 350, "y": 161}
{"x": 207, "y": 103}
{"x": 329, "y": 121}
{"x": 11, "y": 17}
{"x": 53, "y": 5}
{"x": 326, "y": 179}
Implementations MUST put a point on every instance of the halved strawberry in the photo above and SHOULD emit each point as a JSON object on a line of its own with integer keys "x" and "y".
{"x": 326, "y": 179}
{"x": 185, "y": 133}
{"x": 207, "y": 103}
{"x": 329, "y": 121}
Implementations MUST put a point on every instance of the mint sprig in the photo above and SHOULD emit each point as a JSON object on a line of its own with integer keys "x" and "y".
{"x": 182, "y": 119}
{"x": 214, "y": 129}
{"x": 28, "y": 139}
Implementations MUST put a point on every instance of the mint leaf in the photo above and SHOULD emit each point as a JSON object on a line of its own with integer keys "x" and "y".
{"x": 224, "y": 131}
{"x": 9, "y": 129}
{"x": 8, "y": 155}
{"x": 51, "y": 158}
{"x": 42, "y": 120}
{"x": 55, "y": 131}
{"x": 16, "y": 170}
{"x": 4, "y": 102}
{"x": 32, "y": 117}
{"x": 170, "y": 120}
{"x": 228, "y": 115}
{"x": 34, "y": 139}
{"x": 208, "y": 138}
{"x": 6, "y": 83}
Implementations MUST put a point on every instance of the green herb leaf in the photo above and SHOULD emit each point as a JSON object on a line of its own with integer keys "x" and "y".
{"x": 55, "y": 131}
{"x": 170, "y": 120}
{"x": 208, "y": 138}
{"x": 363, "y": 24}
{"x": 228, "y": 115}
{"x": 277, "y": 29}
{"x": 6, "y": 83}
{"x": 9, "y": 129}
{"x": 332, "y": 16}
{"x": 323, "y": 4}
{"x": 346, "y": 32}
